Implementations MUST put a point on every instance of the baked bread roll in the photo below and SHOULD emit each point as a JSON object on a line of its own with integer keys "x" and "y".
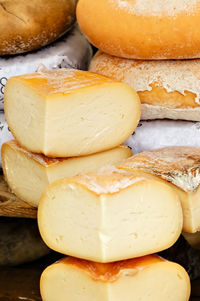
{"x": 135, "y": 279}
{"x": 67, "y": 112}
{"x": 72, "y": 51}
{"x": 109, "y": 216}
{"x": 20, "y": 241}
{"x": 28, "y": 174}
{"x": 142, "y": 29}
{"x": 29, "y": 25}
{"x": 162, "y": 133}
{"x": 167, "y": 89}
{"x": 179, "y": 167}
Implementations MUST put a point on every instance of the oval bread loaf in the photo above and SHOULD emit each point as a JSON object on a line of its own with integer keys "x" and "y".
{"x": 29, "y": 25}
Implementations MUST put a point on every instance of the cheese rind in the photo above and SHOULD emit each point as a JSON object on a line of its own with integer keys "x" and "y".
{"x": 70, "y": 112}
{"x": 28, "y": 174}
{"x": 86, "y": 216}
{"x": 179, "y": 167}
{"x": 135, "y": 279}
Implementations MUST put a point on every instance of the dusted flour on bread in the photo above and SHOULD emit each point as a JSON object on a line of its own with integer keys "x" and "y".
{"x": 156, "y": 8}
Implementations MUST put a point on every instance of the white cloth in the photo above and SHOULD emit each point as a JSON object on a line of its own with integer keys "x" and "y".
{"x": 162, "y": 133}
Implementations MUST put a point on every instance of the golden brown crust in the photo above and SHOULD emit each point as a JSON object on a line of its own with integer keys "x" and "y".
{"x": 40, "y": 158}
{"x": 142, "y": 33}
{"x": 152, "y": 79}
{"x": 105, "y": 182}
{"x": 109, "y": 272}
{"x": 29, "y": 25}
{"x": 62, "y": 81}
{"x": 178, "y": 165}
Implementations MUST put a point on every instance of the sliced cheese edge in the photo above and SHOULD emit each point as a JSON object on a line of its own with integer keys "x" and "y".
{"x": 148, "y": 278}
{"x": 28, "y": 174}
{"x": 109, "y": 216}
{"x": 67, "y": 112}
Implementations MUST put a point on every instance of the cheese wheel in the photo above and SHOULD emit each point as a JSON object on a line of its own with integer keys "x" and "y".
{"x": 26, "y": 26}
{"x": 69, "y": 112}
{"x": 72, "y": 51}
{"x": 180, "y": 168}
{"x": 135, "y": 279}
{"x": 109, "y": 216}
{"x": 167, "y": 89}
{"x": 163, "y": 133}
{"x": 20, "y": 241}
{"x": 142, "y": 29}
{"x": 37, "y": 171}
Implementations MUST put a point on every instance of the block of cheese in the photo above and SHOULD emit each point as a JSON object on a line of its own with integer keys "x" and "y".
{"x": 71, "y": 51}
{"x": 163, "y": 133}
{"x": 28, "y": 174}
{"x": 142, "y": 29}
{"x": 20, "y": 241}
{"x": 148, "y": 278}
{"x": 109, "y": 216}
{"x": 68, "y": 112}
{"x": 167, "y": 89}
{"x": 180, "y": 168}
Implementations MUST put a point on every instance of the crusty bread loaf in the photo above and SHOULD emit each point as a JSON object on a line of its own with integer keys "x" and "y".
{"x": 167, "y": 89}
{"x": 142, "y": 29}
{"x": 29, "y": 25}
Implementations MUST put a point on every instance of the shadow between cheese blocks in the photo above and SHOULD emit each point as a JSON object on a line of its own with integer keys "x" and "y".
{"x": 28, "y": 174}
{"x": 109, "y": 216}
{"x": 147, "y": 278}
{"x": 179, "y": 168}
{"x": 68, "y": 112}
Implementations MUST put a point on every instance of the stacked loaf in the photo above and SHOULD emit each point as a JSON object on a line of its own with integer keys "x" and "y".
{"x": 29, "y": 38}
{"x": 155, "y": 49}
{"x": 110, "y": 222}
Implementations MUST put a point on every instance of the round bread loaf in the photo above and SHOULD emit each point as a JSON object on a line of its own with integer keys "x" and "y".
{"x": 29, "y": 25}
{"x": 162, "y": 133}
{"x": 71, "y": 51}
{"x": 20, "y": 241}
{"x": 142, "y": 29}
{"x": 167, "y": 89}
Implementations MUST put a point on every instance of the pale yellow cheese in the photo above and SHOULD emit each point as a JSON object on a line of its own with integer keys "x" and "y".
{"x": 109, "y": 216}
{"x": 148, "y": 278}
{"x": 28, "y": 174}
{"x": 179, "y": 167}
{"x": 67, "y": 112}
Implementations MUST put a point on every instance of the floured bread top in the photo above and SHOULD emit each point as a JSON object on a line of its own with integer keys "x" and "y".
{"x": 107, "y": 181}
{"x": 178, "y": 165}
{"x": 62, "y": 81}
{"x": 157, "y": 8}
{"x": 109, "y": 272}
{"x": 181, "y": 76}
{"x": 41, "y": 159}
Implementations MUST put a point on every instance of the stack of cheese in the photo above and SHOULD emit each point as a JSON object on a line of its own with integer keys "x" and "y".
{"x": 30, "y": 38}
{"x": 111, "y": 221}
{"x": 148, "y": 44}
